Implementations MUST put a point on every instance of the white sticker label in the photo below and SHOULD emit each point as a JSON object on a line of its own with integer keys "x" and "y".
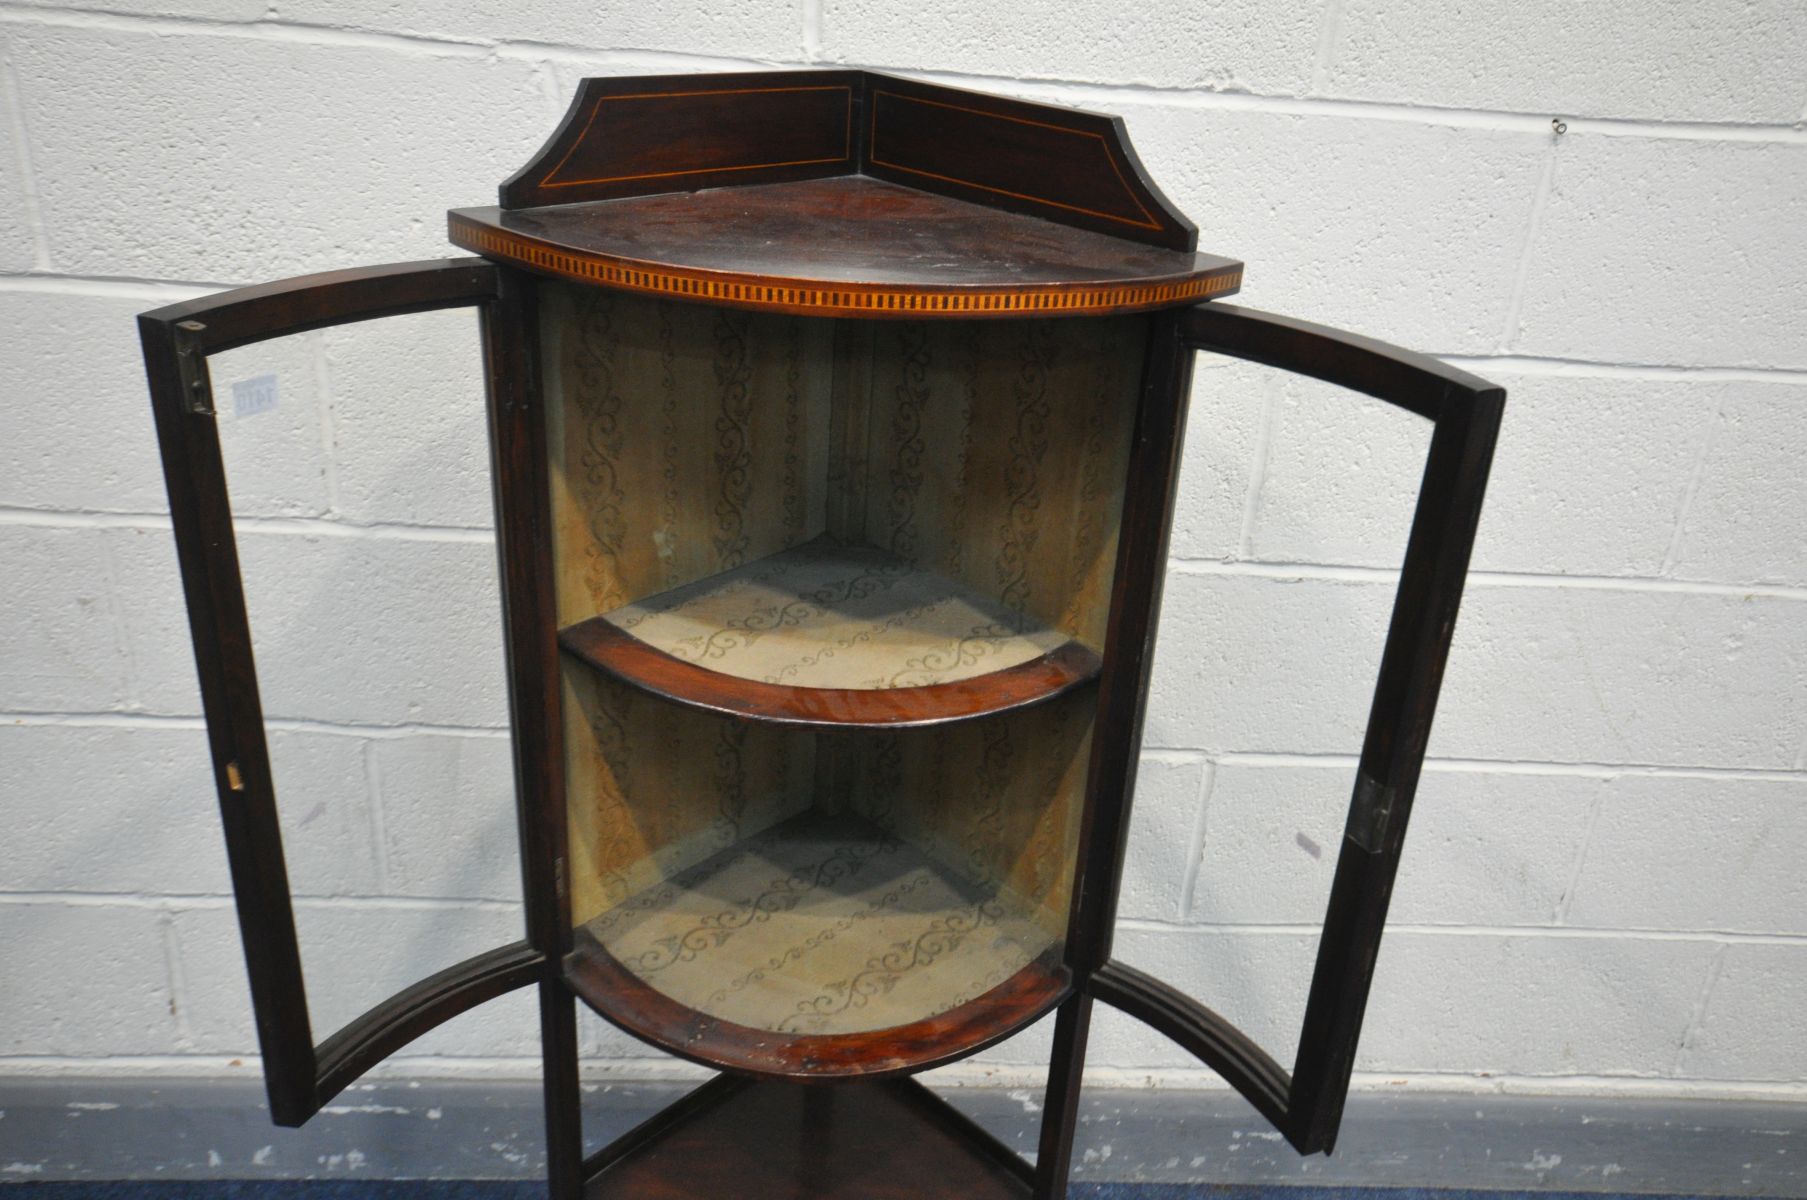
{"x": 253, "y": 396}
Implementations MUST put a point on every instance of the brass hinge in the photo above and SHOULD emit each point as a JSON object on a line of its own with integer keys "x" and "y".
{"x": 191, "y": 366}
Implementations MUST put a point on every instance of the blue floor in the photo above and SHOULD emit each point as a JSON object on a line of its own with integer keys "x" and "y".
{"x": 533, "y": 1190}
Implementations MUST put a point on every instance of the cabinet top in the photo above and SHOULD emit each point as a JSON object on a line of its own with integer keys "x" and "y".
{"x": 846, "y": 193}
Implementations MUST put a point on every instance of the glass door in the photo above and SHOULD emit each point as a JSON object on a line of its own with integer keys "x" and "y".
{"x": 301, "y": 1074}
{"x": 1306, "y": 1103}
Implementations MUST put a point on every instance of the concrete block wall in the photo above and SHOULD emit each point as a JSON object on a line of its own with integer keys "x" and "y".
{"x": 1603, "y": 888}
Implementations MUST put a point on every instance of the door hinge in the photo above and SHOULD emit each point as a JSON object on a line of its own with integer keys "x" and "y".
{"x": 559, "y": 881}
{"x": 191, "y": 366}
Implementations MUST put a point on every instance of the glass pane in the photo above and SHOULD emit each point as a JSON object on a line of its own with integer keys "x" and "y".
{"x": 1296, "y": 501}
{"x": 357, "y": 463}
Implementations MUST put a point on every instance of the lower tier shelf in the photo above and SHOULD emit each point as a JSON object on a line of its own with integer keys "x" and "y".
{"x": 777, "y": 1141}
{"x": 823, "y": 946}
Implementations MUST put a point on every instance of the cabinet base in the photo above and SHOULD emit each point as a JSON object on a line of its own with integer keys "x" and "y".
{"x": 767, "y": 1140}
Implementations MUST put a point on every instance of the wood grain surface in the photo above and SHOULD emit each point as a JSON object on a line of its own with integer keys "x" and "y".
{"x": 626, "y": 1001}
{"x": 621, "y": 655}
{"x": 844, "y": 246}
{"x": 768, "y": 1140}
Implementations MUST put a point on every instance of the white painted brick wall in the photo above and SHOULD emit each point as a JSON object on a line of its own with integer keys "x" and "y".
{"x": 1407, "y": 230}
{"x": 1688, "y": 233}
{"x": 1602, "y": 886}
{"x": 1758, "y": 985}
{"x": 1249, "y": 44}
{"x": 56, "y": 453}
{"x": 406, "y": 414}
{"x": 1716, "y": 60}
{"x": 132, "y": 1013}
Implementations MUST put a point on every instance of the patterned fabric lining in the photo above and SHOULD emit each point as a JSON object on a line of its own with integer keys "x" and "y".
{"x": 832, "y": 616}
{"x": 821, "y": 925}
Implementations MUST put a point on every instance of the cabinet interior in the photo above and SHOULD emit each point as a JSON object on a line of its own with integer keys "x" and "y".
{"x": 789, "y": 504}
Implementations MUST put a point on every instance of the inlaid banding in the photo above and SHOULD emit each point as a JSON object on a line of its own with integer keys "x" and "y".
{"x": 954, "y": 299}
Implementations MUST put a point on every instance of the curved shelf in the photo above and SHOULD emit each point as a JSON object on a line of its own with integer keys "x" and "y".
{"x": 624, "y": 657}
{"x": 626, "y": 1002}
{"x": 821, "y": 947}
{"x": 828, "y": 636}
{"x": 848, "y": 245}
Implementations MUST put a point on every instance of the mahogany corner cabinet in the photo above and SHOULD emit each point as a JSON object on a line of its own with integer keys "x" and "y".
{"x": 835, "y": 423}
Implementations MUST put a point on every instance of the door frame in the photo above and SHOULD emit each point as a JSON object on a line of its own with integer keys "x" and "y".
{"x": 1305, "y": 1104}
{"x": 300, "y": 1076}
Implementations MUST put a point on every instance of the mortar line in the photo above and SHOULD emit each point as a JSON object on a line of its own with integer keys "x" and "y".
{"x": 1563, "y": 903}
{"x": 256, "y": 29}
{"x": 1655, "y": 1087}
{"x": 1183, "y": 96}
{"x": 1509, "y": 766}
{"x": 1579, "y": 933}
{"x": 1172, "y": 95}
{"x": 329, "y": 427}
{"x": 1174, "y": 757}
{"x": 296, "y": 526}
{"x": 405, "y": 1066}
{"x": 1330, "y": 37}
{"x": 14, "y": 97}
{"x": 191, "y": 721}
{"x": 1258, "y": 460}
{"x": 1521, "y": 275}
{"x": 651, "y": 58}
{"x": 1350, "y": 573}
{"x": 551, "y": 86}
{"x": 380, "y": 530}
{"x": 1640, "y": 583}
{"x": 123, "y": 287}
{"x": 812, "y": 31}
{"x": 1672, "y": 553}
{"x": 119, "y": 629}
{"x": 1584, "y": 368}
{"x": 285, "y": 31}
{"x": 1697, "y": 1015}
{"x": 373, "y": 787}
{"x": 219, "y": 901}
{"x": 178, "y": 978}
{"x": 1200, "y": 824}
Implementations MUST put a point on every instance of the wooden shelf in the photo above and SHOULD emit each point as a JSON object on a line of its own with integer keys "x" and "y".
{"x": 764, "y": 1140}
{"x": 828, "y": 635}
{"x": 844, "y": 246}
{"x": 822, "y": 946}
